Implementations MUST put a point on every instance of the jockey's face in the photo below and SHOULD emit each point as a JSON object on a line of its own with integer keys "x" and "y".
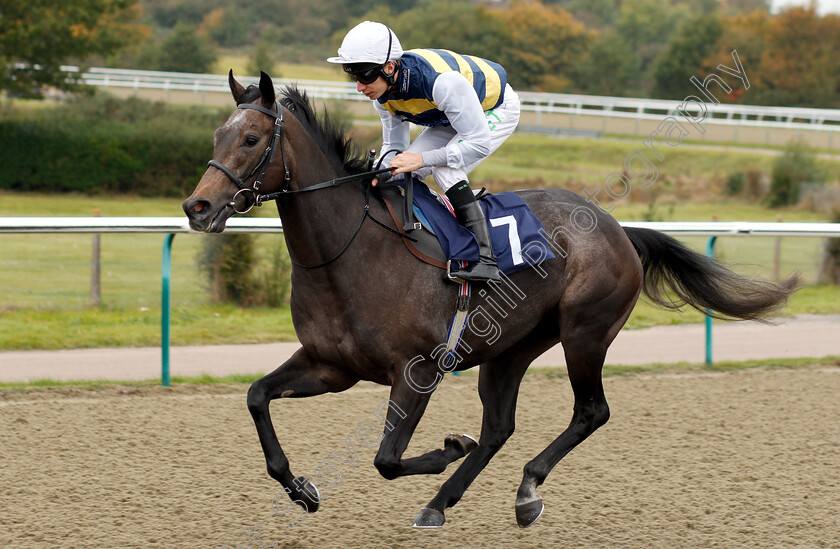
{"x": 378, "y": 87}
{"x": 374, "y": 90}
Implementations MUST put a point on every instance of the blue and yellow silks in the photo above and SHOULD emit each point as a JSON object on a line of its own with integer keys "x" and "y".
{"x": 418, "y": 71}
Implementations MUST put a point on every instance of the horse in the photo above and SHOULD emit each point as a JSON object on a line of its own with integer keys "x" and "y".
{"x": 366, "y": 309}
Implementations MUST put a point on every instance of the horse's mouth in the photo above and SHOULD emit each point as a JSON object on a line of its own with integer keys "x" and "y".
{"x": 216, "y": 223}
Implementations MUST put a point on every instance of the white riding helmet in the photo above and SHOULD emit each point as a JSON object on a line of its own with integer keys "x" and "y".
{"x": 369, "y": 42}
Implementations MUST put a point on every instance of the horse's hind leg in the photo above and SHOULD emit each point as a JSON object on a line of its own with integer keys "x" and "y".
{"x": 498, "y": 387}
{"x": 406, "y": 407}
{"x": 584, "y": 361}
{"x": 591, "y": 313}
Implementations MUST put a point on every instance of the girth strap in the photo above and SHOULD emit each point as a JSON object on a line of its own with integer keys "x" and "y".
{"x": 411, "y": 223}
{"x": 456, "y": 326}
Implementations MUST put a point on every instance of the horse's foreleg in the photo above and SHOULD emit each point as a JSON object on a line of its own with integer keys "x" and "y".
{"x": 498, "y": 387}
{"x": 298, "y": 377}
{"x": 407, "y": 404}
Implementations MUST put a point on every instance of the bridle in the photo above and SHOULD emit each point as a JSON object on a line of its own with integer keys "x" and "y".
{"x": 253, "y": 192}
{"x": 255, "y": 198}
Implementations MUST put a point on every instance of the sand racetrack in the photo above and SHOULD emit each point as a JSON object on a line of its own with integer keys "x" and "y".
{"x": 739, "y": 459}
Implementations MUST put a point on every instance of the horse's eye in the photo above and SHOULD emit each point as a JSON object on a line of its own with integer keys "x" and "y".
{"x": 251, "y": 140}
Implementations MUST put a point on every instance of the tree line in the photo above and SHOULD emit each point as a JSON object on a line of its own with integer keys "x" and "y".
{"x": 632, "y": 48}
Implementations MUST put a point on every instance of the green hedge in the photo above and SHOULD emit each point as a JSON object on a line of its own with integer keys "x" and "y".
{"x": 106, "y": 145}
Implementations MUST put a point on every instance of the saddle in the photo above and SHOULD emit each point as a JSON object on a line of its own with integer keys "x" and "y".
{"x": 432, "y": 233}
{"x": 420, "y": 240}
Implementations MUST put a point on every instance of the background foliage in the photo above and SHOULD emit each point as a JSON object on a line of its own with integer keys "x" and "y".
{"x": 790, "y": 171}
{"x": 181, "y": 50}
{"x": 52, "y": 32}
{"x": 639, "y": 48}
{"x": 101, "y": 144}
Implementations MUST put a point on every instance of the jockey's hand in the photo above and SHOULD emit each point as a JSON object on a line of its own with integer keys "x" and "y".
{"x": 406, "y": 162}
{"x": 402, "y": 163}
{"x": 383, "y": 178}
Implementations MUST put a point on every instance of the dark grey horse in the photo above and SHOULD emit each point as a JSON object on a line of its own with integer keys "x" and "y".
{"x": 373, "y": 312}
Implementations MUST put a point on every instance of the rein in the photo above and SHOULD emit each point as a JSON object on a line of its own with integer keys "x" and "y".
{"x": 255, "y": 198}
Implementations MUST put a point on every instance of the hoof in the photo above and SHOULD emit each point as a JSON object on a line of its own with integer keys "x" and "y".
{"x": 429, "y": 518}
{"x": 464, "y": 442}
{"x": 528, "y": 513}
{"x": 309, "y": 494}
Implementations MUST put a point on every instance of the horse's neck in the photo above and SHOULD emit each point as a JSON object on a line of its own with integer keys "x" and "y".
{"x": 317, "y": 225}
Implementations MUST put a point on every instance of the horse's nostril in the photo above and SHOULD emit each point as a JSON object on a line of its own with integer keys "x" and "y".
{"x": 196, "y": 207}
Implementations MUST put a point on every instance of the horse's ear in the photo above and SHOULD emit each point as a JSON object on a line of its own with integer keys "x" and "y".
{"x": 267, "y": 90}
{"x": 235, "y": 88}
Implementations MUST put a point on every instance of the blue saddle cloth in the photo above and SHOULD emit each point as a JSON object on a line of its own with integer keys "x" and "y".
{"x": 513, "y": 227}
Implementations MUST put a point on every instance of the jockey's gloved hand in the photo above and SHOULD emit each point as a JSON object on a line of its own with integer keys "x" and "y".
{"x": 382, "y": 178}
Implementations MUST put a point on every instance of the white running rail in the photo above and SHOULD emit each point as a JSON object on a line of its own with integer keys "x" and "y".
{"x": 589, "y": 105}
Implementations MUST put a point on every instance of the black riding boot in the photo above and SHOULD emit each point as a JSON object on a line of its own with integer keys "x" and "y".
{"x": 471, "y": 216}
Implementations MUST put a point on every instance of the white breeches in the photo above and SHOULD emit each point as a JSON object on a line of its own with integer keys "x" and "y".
{"x": 502, "y": 120}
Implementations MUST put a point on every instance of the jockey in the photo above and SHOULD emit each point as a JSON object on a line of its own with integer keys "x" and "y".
{"x": 465, "y": 103}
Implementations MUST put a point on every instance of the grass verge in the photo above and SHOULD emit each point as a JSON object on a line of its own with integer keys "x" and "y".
{"x": 27, "y": 329}
{"x": 235, "y": 383}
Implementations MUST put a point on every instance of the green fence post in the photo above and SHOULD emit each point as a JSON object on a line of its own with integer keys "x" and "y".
{"x": 166, "y": 276}
{"x": 710, "y": 251}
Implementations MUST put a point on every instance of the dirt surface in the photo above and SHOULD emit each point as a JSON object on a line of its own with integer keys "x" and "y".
{"x": 739, "y": 459}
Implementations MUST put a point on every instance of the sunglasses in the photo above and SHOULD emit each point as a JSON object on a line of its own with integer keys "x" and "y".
{"x": 364, "y": 76}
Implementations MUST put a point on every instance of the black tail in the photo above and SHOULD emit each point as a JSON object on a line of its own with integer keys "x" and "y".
{"x": 701, "y": 282}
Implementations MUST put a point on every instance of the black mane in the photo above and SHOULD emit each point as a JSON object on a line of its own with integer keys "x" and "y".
{"x": 329, "y": 134}
{"x": 251, "y": 95}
